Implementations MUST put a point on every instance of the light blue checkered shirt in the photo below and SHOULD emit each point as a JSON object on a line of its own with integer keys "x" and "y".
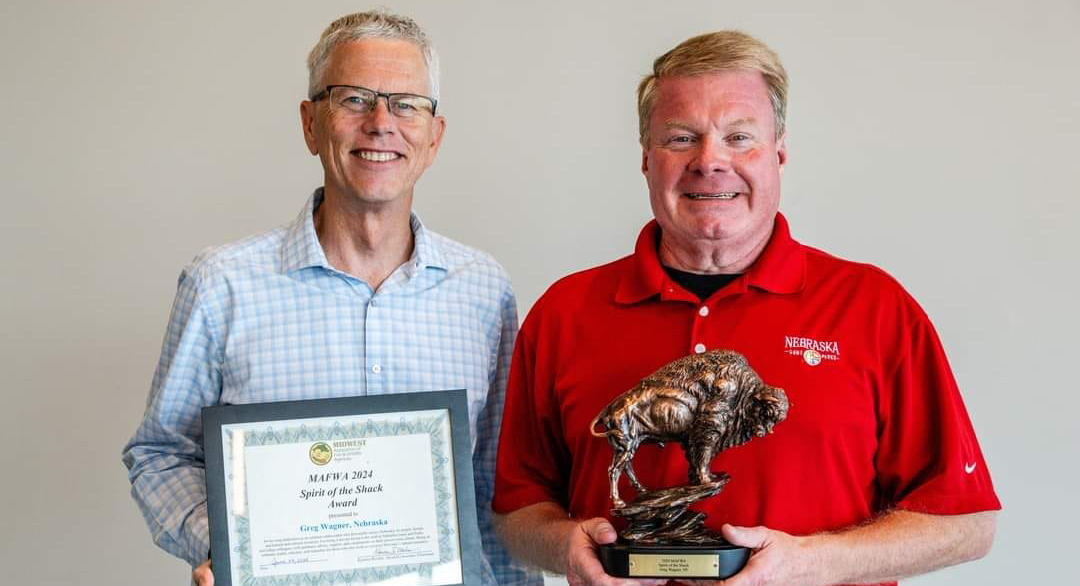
{"x": 268, "y": 319}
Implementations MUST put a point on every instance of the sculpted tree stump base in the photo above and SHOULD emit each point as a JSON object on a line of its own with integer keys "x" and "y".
{"x": 664, "y": 516}
{"x": 666, "y": 539}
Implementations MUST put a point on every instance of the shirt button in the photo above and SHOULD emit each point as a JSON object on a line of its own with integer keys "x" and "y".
{"x": 699, "y": 348}
{"x": 376, "y": 369}
{"x": 373, "y": 303}
{"x": 703, "y": 311}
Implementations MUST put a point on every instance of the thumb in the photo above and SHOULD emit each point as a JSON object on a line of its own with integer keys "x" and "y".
{"x": 600, "y": 530}
{"x": 202, "y": 575}
{"x": 752, "y": 537}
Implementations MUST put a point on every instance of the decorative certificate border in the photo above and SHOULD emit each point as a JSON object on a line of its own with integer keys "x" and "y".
{"x": 316, "y": 420}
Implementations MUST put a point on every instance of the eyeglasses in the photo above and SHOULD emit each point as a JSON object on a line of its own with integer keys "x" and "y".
{"x": 361, "y": 100}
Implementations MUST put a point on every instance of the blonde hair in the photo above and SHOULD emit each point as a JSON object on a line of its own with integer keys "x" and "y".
{"x": 712, "y": 53}
{"x": 378, "y": 24}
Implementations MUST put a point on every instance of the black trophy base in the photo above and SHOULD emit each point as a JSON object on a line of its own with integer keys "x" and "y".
{"x": 710, "y": 562}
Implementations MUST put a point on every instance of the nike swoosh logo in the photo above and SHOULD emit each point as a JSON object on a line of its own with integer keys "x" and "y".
{"x": 969, "y": 468}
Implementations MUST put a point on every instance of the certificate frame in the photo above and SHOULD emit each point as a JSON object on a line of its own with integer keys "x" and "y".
{"x": 228, "y": 552}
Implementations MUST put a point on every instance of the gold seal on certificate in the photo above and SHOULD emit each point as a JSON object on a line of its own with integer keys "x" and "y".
{"x": 360, "y": 490}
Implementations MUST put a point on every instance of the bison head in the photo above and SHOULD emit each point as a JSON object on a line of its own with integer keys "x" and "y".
{"x": 756, "y": 411}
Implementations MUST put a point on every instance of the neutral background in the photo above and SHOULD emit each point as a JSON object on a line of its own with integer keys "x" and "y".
{"x": 934, "y": 139}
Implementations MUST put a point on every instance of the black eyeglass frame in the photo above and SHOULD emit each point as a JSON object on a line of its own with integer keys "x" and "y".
{"x": 325, "y": 93}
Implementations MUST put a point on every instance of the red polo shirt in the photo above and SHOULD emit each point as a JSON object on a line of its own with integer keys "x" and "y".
{"x": 876, "y": 420}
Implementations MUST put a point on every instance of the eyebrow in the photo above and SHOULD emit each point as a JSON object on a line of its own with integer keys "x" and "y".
{"x": 679, "y": 126}
{"x": 740, "y": 123}
{"x": 748, "y": 121}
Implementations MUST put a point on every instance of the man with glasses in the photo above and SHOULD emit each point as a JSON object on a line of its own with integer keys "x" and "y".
{"x": 354, "y": 297}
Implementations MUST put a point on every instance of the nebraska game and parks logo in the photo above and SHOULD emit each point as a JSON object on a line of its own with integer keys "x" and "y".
{"x": 321, "y": 454}
{"x": 810, "y": 350}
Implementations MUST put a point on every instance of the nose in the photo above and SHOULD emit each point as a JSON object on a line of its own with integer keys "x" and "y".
{"x": 379, "y": 120}
{"x": 713, "y": 156}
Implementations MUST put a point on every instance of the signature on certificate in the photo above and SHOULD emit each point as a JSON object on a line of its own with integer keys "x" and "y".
{"x": 397, "y": 551}
{"x": 292, "y": 561}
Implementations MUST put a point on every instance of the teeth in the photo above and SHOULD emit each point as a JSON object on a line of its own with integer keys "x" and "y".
{"x": 718, "y": 195}
{"x": 377, "y": 156}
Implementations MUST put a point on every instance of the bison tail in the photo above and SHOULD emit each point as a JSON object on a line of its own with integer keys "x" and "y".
{"x": 592, "y": 426}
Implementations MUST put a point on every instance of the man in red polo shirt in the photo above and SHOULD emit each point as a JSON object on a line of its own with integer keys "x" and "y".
{"x": 875, "y": 474}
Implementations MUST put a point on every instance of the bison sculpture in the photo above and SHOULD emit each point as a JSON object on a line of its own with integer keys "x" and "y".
{"x": 707, "y": 402}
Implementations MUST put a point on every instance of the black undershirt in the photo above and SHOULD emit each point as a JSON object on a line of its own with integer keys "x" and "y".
{"x": 701, "y": 285}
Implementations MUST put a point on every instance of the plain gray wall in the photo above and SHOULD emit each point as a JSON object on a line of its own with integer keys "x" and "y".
{"x": 934, "y": 139}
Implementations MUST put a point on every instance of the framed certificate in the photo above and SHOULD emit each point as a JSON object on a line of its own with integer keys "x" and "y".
{"x": 357, "y": 490}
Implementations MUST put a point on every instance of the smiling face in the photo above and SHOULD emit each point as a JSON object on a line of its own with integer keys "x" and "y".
{"x": 713, "y": 162}
{"x": 373, "y": 159}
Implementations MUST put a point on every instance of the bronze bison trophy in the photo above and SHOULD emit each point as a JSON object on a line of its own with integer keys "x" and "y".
{"x": 707, "y": 402}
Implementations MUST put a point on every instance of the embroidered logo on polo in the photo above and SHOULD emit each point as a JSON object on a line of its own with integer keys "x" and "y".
{"x": 812, "y": 351}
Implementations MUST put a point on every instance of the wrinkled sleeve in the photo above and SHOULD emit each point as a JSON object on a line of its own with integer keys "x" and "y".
{"x": 929, "y": 460}
{"x": 505, "y": 570}
{"x": 533, "y": 456}
{"x": 165, "y": 456}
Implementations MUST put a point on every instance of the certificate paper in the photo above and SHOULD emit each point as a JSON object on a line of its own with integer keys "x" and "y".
{"x": 366, "y": 498}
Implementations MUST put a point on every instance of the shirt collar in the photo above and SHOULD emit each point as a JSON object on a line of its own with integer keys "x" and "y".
{"x": 301, "y": 248}
{"x": 425, "y": 254}
{"x": 781, "y": 267}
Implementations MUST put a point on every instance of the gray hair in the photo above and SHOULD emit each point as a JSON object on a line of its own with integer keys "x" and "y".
{"x": 375, "y": 24}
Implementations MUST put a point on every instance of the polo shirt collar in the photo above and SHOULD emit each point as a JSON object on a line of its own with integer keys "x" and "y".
{"x": 301, "y": 248}
{"x": 781, "y": 267}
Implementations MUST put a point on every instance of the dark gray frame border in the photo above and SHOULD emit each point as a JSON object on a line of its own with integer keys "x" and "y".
{"x": 454, "y": 402}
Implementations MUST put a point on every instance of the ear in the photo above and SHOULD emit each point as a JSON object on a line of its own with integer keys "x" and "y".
{"x": 781, "y": 151}
{"x": 307, "y": 124}
{"x": 644, "y": 160}
{"x": 437, "y": 127}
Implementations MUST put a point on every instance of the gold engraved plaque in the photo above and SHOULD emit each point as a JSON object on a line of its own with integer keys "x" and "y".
{"x": 684, "y": 565}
